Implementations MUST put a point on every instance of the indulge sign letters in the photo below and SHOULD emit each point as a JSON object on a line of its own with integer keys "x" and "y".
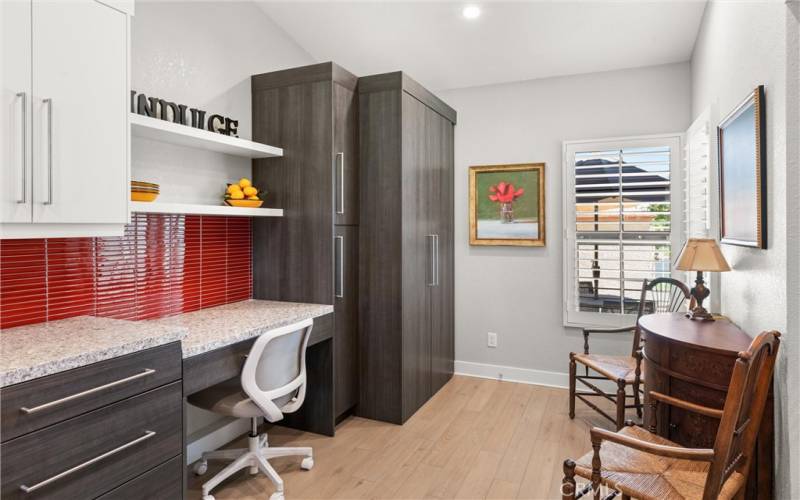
{"x": 182, "y": 114}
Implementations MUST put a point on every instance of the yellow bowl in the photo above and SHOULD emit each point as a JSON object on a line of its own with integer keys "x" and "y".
{"x": 245, "y": 203}
{"x": 139, "y": 196}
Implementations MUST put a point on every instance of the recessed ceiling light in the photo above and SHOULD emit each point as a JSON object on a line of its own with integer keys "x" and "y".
{"x": 471, "y": 12}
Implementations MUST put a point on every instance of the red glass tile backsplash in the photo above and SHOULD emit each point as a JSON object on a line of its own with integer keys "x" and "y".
{"x": 163, "y": 265}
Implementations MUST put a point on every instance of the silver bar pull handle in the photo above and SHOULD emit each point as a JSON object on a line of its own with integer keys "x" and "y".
{"x": 432, "y": 257}
{"x": 339, "y": 285}
{"x": 340, "y": 191}
{"x": 51, "y": 404}
{"x": 49, "y": 103}
{"x": 436, "y": 259}
{"x": 40, "y": 484}
{"x": 24, "y": 126}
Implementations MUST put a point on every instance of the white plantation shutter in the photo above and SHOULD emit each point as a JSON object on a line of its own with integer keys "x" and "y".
{"x": 623, "y": 210}
{"x": 697, "y": 182}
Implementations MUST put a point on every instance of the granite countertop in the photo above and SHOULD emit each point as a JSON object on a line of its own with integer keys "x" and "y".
{"x": 32, "y": 351}
{"x": 209, "y": 329}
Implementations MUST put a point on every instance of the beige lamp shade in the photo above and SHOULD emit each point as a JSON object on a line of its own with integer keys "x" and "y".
{"x": 700, "y": 254}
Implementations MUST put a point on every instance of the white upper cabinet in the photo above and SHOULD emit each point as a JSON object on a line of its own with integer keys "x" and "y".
{"x": 15, "y": 123}
{"x": 78, "y": 177}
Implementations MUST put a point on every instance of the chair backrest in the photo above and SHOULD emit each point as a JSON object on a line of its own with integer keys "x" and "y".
{"x": 659, "y": 296}
{"x": 274, "y": 374}
{"x": 741, "y": 415}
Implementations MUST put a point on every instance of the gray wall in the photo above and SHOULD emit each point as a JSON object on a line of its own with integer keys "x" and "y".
{"x": 741, "y": 45}
{"x": 517, "y": 292}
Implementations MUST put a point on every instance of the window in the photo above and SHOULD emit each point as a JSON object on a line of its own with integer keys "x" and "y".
{"x": 622, "y": 220}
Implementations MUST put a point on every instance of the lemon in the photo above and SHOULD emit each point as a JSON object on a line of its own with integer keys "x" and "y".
{"x": 232, "y": 188}
{"x": 250, "y": 191}
{"x": 252, "y": 197}
{"x": 237, "y": 195}
{"x": 244, "y": 182}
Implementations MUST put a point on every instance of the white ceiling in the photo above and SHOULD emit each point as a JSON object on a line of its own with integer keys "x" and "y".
{"x": 511, "y": 41}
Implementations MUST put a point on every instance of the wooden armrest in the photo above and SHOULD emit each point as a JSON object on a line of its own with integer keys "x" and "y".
{"x": 701, "y": 454}
{"x": 686, "y": 405}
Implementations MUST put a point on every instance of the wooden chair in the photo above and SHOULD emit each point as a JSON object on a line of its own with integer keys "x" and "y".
{"x": 640, "y": 464}
{"x": 659, "y": 295}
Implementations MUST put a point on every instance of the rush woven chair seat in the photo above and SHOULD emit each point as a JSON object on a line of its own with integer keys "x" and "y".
{"x": 633, "y": 472}
{"x": 659, "y": 295}
{"x": 640, "y": 464}
{"x": 611, "y": 367}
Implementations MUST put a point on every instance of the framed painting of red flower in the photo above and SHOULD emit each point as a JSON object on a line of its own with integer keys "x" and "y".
{"x": 506, "y": 205}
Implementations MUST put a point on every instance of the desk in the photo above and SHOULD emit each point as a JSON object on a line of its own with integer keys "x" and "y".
{"x": 217, "y": 340}
{"x": 694, "y": 360}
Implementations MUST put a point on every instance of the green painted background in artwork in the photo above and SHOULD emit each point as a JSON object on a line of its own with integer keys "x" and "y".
{"x": 525, "y": 207}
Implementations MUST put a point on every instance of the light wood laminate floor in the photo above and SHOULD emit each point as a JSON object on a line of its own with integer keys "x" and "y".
{"x": 476, "y": 438}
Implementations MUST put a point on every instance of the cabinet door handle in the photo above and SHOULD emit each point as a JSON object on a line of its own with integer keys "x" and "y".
{"x": 24, "y": 126}
{"x": 340, "y": 201}
{"x": 40, "y": 484}
{"x": 339, "y": 292}
{"x": 436, "y": 260}
{"x": 432, "y": 257}
{"x": 49, "y": 103}
{"x": 145, "y": 373}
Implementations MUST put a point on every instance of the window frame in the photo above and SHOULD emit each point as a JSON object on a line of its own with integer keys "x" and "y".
{"x": 675, "y": 141}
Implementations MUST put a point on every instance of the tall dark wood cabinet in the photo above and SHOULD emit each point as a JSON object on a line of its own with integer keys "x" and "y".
{"x": 406, "y": 252}
{"x": 311, "y": 253}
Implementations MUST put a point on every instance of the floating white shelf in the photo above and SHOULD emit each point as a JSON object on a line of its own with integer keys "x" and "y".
{"x": 183, "y": 135}
{"x": 185, "y": 208}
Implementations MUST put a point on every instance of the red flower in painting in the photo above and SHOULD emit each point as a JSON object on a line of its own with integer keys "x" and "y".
{"x": 504, "y": 192}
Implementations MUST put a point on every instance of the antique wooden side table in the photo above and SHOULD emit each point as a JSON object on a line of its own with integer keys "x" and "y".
{"x": 693, "y": 360}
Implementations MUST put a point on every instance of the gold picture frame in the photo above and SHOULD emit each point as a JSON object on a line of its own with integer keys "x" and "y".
{"x": 507, "y": 205}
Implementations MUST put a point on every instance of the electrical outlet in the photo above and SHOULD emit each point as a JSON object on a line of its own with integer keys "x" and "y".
{"x": 492, "y": 339}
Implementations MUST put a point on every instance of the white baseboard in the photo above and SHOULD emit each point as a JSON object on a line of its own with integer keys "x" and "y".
{"x": 512, "y": 374}
{"x": 214, "y": 436}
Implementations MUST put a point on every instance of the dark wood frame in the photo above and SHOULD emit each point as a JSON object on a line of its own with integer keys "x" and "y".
{"x": 735, "y": 439}
{"x": 620, "y": 398}
{"x": 473, "y": 200}
{"x": 757, "y": 99}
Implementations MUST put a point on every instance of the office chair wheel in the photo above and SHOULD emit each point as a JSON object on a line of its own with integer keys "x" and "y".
{"x": 200, "y": 468}
{"x": 307, "y": 463}
{"x": 278, "y": 495}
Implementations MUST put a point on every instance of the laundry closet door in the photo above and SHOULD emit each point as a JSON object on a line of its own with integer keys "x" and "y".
{"x": 80, "y": 133}
{"x": 417, "y": 255}
{"x": 440, "y": 152}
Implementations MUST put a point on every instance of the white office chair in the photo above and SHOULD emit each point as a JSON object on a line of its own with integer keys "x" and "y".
{"x": 274, "y": 382}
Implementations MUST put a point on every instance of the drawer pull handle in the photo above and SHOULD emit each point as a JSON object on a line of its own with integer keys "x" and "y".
{"x": 29, "y": 489}
{"x": 145, "y": 373}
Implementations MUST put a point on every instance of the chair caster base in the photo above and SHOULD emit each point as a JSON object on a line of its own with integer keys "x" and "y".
{"x": 200, "y": 468}
{"x": 307, "y": 463}
{"x": 278, "y": 495}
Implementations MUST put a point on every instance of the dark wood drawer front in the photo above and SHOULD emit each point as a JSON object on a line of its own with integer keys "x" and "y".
{"x": 33, "y": 405}
{"x": 162, "y": 483}
{"x": 96, "y": 452}
{"x": 219, "y": 365}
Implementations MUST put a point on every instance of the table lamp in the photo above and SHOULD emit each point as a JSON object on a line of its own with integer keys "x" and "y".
{"x": 701, "y": 255}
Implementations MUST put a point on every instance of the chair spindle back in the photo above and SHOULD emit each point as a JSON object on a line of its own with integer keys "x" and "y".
{"x": 660, "y": 295}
